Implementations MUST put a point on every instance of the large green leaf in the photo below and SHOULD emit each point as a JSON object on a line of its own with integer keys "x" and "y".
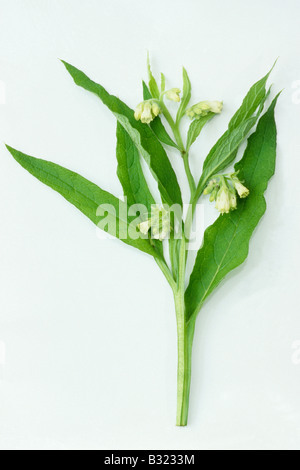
{"x": 130, "y": 171}
{"x": 226, "y": 242}
{"x": 224, "y": 151}
{"x": 86, "y": 196}
{"x": 141, "y": 134}
{"x": 132, "y": 178}
{"x": 156, "y": 125}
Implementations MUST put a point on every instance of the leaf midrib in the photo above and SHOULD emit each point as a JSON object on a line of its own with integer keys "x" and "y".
{"x": 196, "y": 310}
{"x": 217, "y": 272}
{"x": 79, "y": 192}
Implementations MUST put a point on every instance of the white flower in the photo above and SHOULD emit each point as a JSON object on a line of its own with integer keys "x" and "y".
{"x": 173, "y": 94}
{"x": 138, "y": 111}
{"x": 145, "y": 226}
{"x": 147, "y": 111}
{"x": 147, "y": 116}
{"x": 159, "y": 223}
{"x": 203, "y": 108}
{"x": 241, "y": 189}
{"x": 223, "y": 203}
{"x": 215, "y": 106}
{"x": 155, "y": 109}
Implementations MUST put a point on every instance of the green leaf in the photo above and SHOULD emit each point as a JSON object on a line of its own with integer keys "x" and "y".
{"x": 251, "y": 102}
{"x": 196, "y": 127}
{"x": 226, "y": 242}
{"x": 162, "y": 82}
{"x": 186, "y": 95}
{"x": 84, "y": 195}
{"x": 142, "y": 136}
{"x": 132, "y": 178}
{"x": 224, "y": 151}
{"x": 130, "y": 171}
{"x": 152, "y": 82}
{"x": 156, "y": 125}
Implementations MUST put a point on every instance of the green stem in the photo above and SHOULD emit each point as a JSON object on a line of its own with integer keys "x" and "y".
{"x": 185, "y": 343}
{"x": 188, "y": 172}
{"x": 185, "y": 330}
{"x": 167, "y": 273}
{"x": 185, "y": 334}
{"x": 173, "y": 126}
{"x": 185, "y": 155}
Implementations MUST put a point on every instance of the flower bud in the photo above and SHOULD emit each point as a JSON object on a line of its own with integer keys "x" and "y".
{"x": 173, "y": 94}
{"x": 203, "y": 108}
{"x": 214, "y": 194}
{"x": 210, "y": 187}
{"x": 241, "y": 189}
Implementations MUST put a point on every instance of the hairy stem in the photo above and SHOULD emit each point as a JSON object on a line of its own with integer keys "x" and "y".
{"x": 185, "y": 334}
{"x": 178, "y": 257}
{"x": 185, "y": 343}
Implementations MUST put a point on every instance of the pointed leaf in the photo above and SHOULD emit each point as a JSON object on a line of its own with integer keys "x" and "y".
{"x": 84, "y": 195}
{"x": 224, "y": 151}
{"x": 226, "y": 242}
{"x": 195, "y": 129}
{"x": 132, "y": 178}
{"x": 251, "y": 102}
{"x": 141, "y": 134}
{"x": 186, "y": 95}
{"x": 152, "y": 82}
{"x": 130, "y": 171}
{"x": 162, "y": 82}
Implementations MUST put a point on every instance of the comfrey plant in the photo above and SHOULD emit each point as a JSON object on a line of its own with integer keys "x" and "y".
{"x": 142, "y": 223}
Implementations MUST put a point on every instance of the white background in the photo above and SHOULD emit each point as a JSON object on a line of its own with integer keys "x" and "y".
{"x": 88, "y": 325}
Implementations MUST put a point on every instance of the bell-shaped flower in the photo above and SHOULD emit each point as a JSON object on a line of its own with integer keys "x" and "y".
{"x": 223, "y": 202}
{"x": 147, "y": 111}
{"x": 241, "y": 189}
{"x": 203, "y": 108}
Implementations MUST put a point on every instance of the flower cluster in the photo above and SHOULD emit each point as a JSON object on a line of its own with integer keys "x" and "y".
{"x": 224, "y": 190}
{"x": 159, "y": 223}
{"x": 147, "y": 111}
{"x": 203, "y": 108}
